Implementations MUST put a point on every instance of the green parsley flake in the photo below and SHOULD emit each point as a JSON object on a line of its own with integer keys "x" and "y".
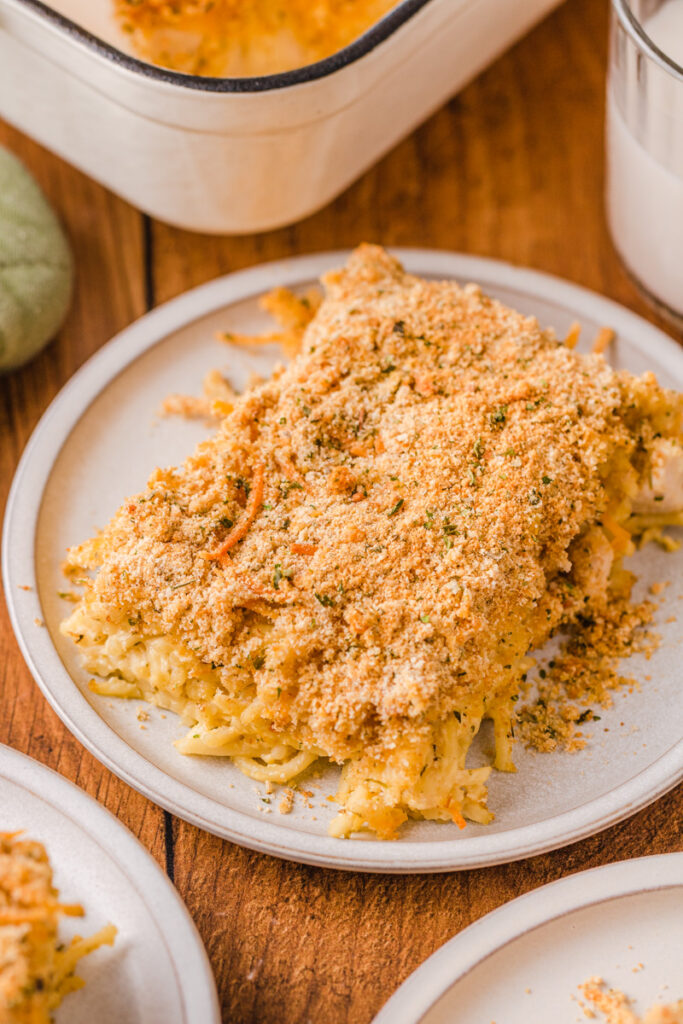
{"x": 498, "y": 417}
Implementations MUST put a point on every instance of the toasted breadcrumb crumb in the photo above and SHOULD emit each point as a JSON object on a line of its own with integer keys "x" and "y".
{"x": 287, "y": 802}
{"x": 616, "y": 1007}
{"x": 584, "y": 674}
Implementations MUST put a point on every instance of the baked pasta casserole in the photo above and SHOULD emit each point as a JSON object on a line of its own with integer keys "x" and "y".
{"x": 36, "y": 969}
{"x": 238, "y": 38}
{"x": 358, "y": 564}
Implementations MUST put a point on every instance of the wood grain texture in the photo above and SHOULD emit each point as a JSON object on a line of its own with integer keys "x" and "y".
{"x": 107, "y": 239}
{"x": 510, "y": 168}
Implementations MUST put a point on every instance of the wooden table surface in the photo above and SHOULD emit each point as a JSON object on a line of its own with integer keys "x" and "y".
{"x": 511, "y": 168}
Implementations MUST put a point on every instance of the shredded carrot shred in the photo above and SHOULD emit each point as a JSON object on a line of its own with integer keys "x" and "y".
{"x": 457, "y": 817}
{"x": 293, "y": 312}
{"x": 573, "y": 334}
{"x": 250, "y": 513}
{"x": 604, "y": 336}
{"x": 304, "y": 549}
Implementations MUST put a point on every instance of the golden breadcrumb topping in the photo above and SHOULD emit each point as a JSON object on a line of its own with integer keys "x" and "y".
{"x": 380, "y": 532}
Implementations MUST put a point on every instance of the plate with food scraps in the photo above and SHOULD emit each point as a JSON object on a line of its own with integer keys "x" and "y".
{"x": 603, "y": 944}
{"x": 151, "y": 966}
{"x": 104, "y": 434}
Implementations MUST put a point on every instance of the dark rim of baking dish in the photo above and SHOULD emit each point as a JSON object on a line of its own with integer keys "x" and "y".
{"x": 376, "y": 34}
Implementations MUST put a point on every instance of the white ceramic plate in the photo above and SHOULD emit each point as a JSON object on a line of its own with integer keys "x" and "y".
{"x": 522, "y": 963}
{"x": 157, "y": 971}
{"x": 99, "y": 441}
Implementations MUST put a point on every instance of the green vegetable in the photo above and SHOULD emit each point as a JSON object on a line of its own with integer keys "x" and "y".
{"x": 36, "y": 266}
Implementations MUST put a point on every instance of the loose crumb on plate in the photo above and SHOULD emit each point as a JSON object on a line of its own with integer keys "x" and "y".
{"x": 287, "y": 802}
{"x": 584, "y": 673}
{"x": 616, "y": 1008}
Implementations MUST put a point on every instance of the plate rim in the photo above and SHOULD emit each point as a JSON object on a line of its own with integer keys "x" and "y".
{"x": 458, "y": 956}
{"x": 18, "y": 568}
{"x": 182, "y": 940}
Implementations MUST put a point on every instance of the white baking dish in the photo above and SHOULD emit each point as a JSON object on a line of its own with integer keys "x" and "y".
{"x": 238, "y": 154}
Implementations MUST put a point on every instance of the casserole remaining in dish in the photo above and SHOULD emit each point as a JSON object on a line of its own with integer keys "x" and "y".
{"x": 359, "y": 563}
{"x": 228, "y": 38}
{"x": 238, "y": 154}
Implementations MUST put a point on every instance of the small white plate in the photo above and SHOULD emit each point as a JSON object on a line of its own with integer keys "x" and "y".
{"x": 157, "y": 971}
{"x": 99, "y": 441}
{"x": 522, "y": 964}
